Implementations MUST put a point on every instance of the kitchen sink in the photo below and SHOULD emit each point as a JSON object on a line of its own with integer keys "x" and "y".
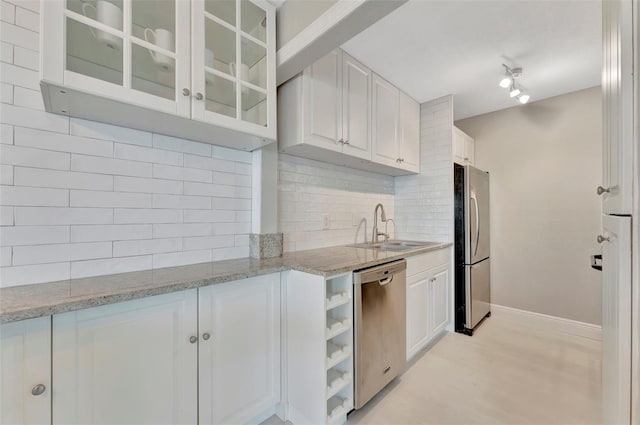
{"x": 394, "y": 245}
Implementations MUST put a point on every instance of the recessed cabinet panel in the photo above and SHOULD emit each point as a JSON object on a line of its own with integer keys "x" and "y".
{"x": 385, "y": 121}
{"x": 439, "y": 301}
{"x": 409, "y": 137}
{"x": 324, "y": 102}
{"x": 356, "y": 108}
{"x": 131, "y": 362}
{"x": 417, "y": 313}
{"x": 25, "y": 368}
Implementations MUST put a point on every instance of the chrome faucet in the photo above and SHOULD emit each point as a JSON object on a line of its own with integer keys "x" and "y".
{"x": 375, "y": 234}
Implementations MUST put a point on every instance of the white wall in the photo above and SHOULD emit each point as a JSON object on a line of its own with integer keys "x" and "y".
{"x": 424, "y": 202}
{"x": 80, "y": 198}
{"x": 544, "y": 159}
{"x": 309, "y": 189}
{"x": 295, "y": 15}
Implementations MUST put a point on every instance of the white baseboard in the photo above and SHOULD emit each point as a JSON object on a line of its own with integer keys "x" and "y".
{"x": 573, "y": 327}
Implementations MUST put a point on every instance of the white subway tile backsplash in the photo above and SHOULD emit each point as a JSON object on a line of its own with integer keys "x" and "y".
{"x": 87, "y": 198}
{"x": 144, "y": 154}
{"x": 33, "y": 235}
{"x": 6, "y": 255}
{"x": 231, "y": 154}
{"x": 6, "y": 52}
{"x": 181, "y": 201}
{"x": 181, "y": 173}
{"x": 205, "y": 163}
{"x": 208, "y": 242}
{"x": 181, "y": 230}
{"x": 120, "y": 167}
{"x": 7, "y": 12}
{"x": 219, "y": 254}
{"x": 116, "y": 232}
{"x": 6, "y": 134}
{"x": 60, "y": 216}
{"x": 147, "y": 185}
{"x": 19, "y": 76}
{"x": 210, "y": 216}
{"x": 28, "y": 157}
{"x": 41, "y": 254}
{"x": 26, "y": 117}
{"x": 62, "y": 142}
{"x": 26, "y": 58}
{"x": 6, "y": 93}
{"x": 181, "y": 258}
{"x": 27, "y": 98}
{"x": 24, "y": 275}
{"x": 33, "y": 196}
{"x": 39, "y": 177}
{"x": 180, "y": 145}
{"x": 6, "y": 216}
{"x": 142, "y": 215}
{"x": 19, "y": 36}
{"x": 27, "y": 19}
{"x": 6, "y": 174}
{"x": 144, "y": 247}
{"x": 97, "y": 130}
{"x": 88, "y": 268}
{"x": 206, "y": 189}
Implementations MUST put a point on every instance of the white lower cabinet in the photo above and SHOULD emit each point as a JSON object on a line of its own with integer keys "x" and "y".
{"x": 208, "y": 356}
{"x": 428, "y": 298}
{"x": 134, "y": 362}
{"x": 25, "y": 368}
{"x": 239, "y": 357}
{"x": 319, "y": 348}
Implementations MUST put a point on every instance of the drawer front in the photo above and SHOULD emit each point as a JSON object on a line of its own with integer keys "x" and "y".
{"x": 420, "y": 263}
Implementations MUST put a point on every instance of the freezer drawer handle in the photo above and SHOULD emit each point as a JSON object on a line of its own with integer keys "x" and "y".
{"x": 594, "y": 262}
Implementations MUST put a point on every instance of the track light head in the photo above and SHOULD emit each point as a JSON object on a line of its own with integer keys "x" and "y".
{"x": 514, "y": 91}
{"x": 505, "y": 82}
{"x": 523, "y": 98}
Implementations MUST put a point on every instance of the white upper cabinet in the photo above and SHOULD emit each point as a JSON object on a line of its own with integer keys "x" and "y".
{"x": 464, "y": 147}
{"x": 618, "y": 107}
{"x": 356, "y": 108}
{"x": 409, "y": 137}
{"x": 25, "y": 368}
{"x": 330, "y": 113}
{"x": 203, "y": 70}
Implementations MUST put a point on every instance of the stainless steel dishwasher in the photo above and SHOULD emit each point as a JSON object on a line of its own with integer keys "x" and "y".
{"x": 380, "y": 327}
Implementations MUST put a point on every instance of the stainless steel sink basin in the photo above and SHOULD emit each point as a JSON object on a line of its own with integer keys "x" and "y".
{"x": 395, "y": 245}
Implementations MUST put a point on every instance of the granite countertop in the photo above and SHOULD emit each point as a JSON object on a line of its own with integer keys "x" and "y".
{"x": 43, "y": 299}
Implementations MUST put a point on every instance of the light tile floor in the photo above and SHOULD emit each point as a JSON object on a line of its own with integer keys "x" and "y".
{"x": 510, "y": 372}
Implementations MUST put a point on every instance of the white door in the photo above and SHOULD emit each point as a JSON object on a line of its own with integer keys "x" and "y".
{"x": 616, "y": 319}
{"x": 409, "y": 137}
{"x": 137, "y": 52}
{"x": 384, "y": 119}
{"x": 618, "y": 114}
{"x": 128, "y": 363}
{"x": 239, "y": 358}
{"x": 417, "y": 312}
{"x": 356, "y": 108}
{"x": 439, "y": 301}
{"x": 25, "y": 368}
{"x": 323, "y": 102}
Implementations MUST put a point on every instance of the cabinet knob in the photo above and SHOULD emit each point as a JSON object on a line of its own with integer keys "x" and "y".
{"x": 600, "y": 190}
{"x": 206, "y": 336}
{"x": 193, "y": 339}
{"x": 186, "y": 92}
{"x": 346, "y": 142}
{"x": 466, "y": 159}
{"x": 601, "y": 239}
{"x": 38, "y": 389}
{"x": 341, "y": 141}
{"x": 199, "y": 96}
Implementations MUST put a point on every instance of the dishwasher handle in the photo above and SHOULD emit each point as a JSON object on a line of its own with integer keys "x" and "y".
{"x": 384, "y": 281}
{"x": 381, "y": 273}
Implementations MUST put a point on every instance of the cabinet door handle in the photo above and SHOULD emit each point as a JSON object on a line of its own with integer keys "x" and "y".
{"x": 193, "y": 339}
{"x": 186, "y": 92}
{"x": 341, "y": 141}
{"x": 206, "y": 336}
{"x": 346, "y": 142}
{"x": 600, "y": 190}
{"x": 199, "y": 96}
{"x": 601, "y": 239}
{"x": 38, "y": 389}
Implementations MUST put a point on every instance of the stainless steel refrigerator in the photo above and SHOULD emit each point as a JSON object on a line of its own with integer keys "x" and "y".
{"x": 471, "y": 245}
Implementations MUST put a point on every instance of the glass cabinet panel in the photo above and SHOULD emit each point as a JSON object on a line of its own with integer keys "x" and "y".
{"x": 223, "y": 9}
{"x": 220, "y": 47}
{"x": 254, "y": 20}
{"x": 141, "y": 56}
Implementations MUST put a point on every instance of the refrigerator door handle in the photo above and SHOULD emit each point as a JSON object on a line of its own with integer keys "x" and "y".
{"x": 475, "y": 205}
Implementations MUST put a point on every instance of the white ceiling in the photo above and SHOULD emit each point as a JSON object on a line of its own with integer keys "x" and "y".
{"x": 433, "y": 48}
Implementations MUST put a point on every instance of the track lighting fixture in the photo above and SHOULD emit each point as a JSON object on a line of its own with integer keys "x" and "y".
{"x": 509, "y": 82}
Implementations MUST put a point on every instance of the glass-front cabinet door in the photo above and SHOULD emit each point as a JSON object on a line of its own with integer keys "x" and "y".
{"x": 233, "y": 58}
{"x": 137, "y": 51}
